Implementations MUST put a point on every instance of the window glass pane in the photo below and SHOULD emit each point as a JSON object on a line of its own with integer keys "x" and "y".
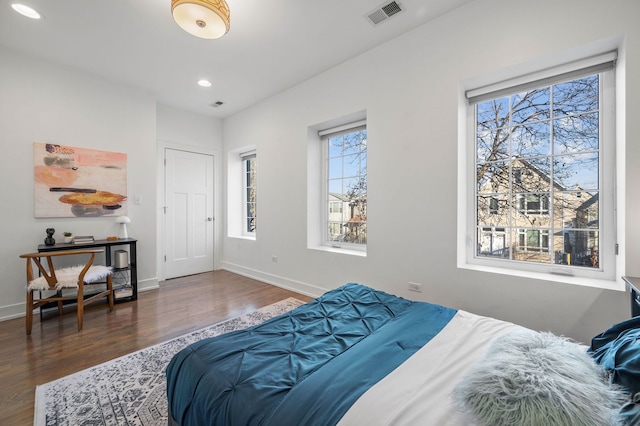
{"x": 576, "y": 209}
{"x": 576, "y": 171}
{"x": 335, "y": 147}
{"x": 493, "y": 177}
{"x": 492, "y": 145}
{"x": 576, "y": 248}
{"x": 531, "y": 175}
{"x": 493, "y": 243}
{"x": 336, "y": 187}
{"x": 335, "y": 168}
{"x": 531, "y": 140}
{"x": 493, "y": 114}
{"x": 351, "y": 166}
{"x": 493, "y": 210}
{"x": 576, "y": 96}
{"x": 577, "y": 133}
{"x": 354, "y": 143}
{"x": 530, "y": 106}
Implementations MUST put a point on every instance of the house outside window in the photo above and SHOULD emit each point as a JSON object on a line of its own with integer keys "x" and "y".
{"x": 345, "y": 186}
{"x": 540, "y": 173}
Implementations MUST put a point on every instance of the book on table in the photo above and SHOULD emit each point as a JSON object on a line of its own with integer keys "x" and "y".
{"x": 84, "y": 239}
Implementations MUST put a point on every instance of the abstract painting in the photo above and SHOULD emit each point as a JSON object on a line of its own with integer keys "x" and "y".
{"x": 78, "y": 182}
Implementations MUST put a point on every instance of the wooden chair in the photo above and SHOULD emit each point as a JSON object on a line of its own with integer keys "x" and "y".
{"x": 52, "y": 279}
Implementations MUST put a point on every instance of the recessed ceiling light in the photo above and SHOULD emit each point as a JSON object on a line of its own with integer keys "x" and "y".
{"x": 27, "y": 11}
{"x": 204, "y": 83}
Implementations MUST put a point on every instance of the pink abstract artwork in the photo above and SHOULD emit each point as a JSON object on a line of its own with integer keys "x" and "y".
{"x": 78, "y": 182}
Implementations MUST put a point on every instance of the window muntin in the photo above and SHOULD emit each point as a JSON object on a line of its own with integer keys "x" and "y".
{"x": 346, "y": 188}
{"x": 250, "y": 194}
{"x": 538, "y": 170}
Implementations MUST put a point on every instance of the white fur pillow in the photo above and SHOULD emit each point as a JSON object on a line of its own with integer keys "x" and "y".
{"x": 529, "y": 378}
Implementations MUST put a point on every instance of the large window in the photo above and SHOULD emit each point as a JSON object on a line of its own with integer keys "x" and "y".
{"x": 543, "y": 172}
{"x": 345, "y": 183}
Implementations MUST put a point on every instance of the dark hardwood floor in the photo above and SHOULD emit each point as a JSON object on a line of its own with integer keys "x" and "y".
{"x": 56, "y": 349}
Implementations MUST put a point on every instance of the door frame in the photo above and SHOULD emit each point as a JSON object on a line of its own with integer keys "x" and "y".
{"x": 160, "y": 216}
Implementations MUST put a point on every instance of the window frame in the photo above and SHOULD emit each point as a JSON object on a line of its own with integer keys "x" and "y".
{"x": 246, "y": 158}
{"x": 468, "y": 244}
{"x": 326, "y": 203}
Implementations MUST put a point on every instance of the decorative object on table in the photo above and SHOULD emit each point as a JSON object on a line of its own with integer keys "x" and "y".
{"x": 112, "y": 238}
{"x": 67, "y": 237}
{"x": 123, "y": 220}
{"x": 78, "y": 182}
{"x": 83, "y": 239}
{"x": 121, "y": 259}
{"x": 134, "y": 385}
{"x": 208, "y": 19}
{"x": 49, "y": 241}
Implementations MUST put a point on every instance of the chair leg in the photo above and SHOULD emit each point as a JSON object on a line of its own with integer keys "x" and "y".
{"x": 110, "y": 289}
{"x": 80, "y": 304}
{"x": 29, "y": 311}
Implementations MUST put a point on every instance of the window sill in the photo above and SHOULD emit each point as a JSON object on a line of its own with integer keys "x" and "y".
{"x": 617, "y": 285}
{"x": 243, "y": 237}
{"x": 339, "y": 250}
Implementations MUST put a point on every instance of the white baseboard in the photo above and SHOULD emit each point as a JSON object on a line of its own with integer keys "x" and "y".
{"x": 12, "y": 311}
{"x": 150, "y": 284}
{"x": 292, "y": 285}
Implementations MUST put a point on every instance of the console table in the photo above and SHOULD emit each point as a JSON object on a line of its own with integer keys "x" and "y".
{"x": 108, "y": 246}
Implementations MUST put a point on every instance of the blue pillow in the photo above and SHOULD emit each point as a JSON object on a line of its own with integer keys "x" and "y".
{"x": 618, "y": 351}
{"x": 630, "y": 412}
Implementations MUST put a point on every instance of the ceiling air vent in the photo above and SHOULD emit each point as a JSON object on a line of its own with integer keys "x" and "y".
{"x": 384, "y": 12}
{"x": 217, "y": 104}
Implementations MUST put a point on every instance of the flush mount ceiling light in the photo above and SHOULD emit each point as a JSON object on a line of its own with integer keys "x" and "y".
{"x": 27, "y": 11}
{"x": 204, "y": 83}
{"x": 202, "y": 18}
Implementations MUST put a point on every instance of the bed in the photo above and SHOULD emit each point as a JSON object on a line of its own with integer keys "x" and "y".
{"x": 358, "y": 356}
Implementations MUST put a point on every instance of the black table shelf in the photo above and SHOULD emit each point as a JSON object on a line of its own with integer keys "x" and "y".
{"x": 108, "y": 246}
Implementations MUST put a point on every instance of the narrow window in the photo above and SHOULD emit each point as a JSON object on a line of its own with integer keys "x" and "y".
{"x": 249, "y": 192}
{"x": 345, "y": 194}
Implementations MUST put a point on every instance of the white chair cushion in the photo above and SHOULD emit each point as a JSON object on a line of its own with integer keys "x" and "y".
{"x": 68, "y": 277}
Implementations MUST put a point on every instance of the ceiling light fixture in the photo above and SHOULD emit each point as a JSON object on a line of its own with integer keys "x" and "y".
{"x": 204, "y": 83}
{"x": 202, "y": 18}
{"x": 27, "y": 11}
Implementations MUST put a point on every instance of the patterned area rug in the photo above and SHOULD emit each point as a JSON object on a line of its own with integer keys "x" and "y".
{"x": 130, "y": 390}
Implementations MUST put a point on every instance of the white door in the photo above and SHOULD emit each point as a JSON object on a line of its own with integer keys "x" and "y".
{"x": 188, "y": 213}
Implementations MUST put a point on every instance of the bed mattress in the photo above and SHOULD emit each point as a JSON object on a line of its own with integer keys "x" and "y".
{"x": 353, "y": 356}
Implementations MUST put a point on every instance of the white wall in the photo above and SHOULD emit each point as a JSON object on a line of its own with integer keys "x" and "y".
{"x": 186, "y": 131}
{"x": 410, "y": 89}
{"x": 43, "y": 102}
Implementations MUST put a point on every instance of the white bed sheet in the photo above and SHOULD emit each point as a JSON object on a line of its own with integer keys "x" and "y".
{"x": 419, "y": 390}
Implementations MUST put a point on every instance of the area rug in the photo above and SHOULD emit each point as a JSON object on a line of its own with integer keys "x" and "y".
{"x": 130, "y": 390}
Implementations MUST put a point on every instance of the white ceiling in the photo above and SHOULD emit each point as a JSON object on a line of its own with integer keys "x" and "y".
{"x": 271, "y": 46}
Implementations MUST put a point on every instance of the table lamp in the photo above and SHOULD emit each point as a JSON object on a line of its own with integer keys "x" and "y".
{"x": 123, "y": 220}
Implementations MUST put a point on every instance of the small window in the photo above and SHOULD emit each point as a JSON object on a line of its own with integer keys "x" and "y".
{"x": 249, "y": 192}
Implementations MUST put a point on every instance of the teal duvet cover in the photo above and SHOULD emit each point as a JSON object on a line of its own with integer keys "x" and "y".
{"x": 307, "y": 366}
